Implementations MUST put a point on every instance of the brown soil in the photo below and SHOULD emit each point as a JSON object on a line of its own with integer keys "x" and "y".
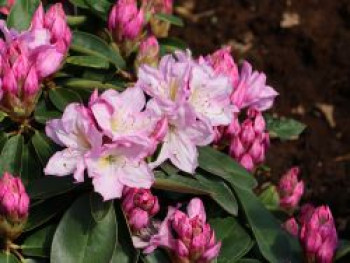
{"x": 307, "y": 60}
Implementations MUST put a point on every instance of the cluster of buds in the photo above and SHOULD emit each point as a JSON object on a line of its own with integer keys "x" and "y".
{"x": 140, "y": 206}
{"x": 27, "y": 58}
{"x": 14, "y": 205}
{"x": 291, "y": 226}
{"x": 290, "y": 189}
{"x": 318, "y": 235}
{"x": 249, "y": 140}
{"x": 187, "y": 236}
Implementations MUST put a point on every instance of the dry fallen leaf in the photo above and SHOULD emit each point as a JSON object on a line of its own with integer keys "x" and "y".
{"x": 290, "y": 20}
{"x": 328, "y": 112}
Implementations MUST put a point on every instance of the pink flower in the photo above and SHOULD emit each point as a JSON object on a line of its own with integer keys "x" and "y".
{"x": 290, "y": 189}
{"x": 6, "y": 9}
{"x": 248, "y": 141}
{"x": 187, "y": 235}
{"x": 148, "y": 52}
{"x": 14, "y": 201}
{"x": 291, "y": 226}
{"x": 192, "y": 99}
{"x": 140, "y": 206}
{"x": 125, "y": 20}
{"x": 252, "y": 91}
{"x": 223, "y": 64}
{"x": 319, "y": 236}
{"x": 114, "y": 166}
{"x": 76, "y": 131}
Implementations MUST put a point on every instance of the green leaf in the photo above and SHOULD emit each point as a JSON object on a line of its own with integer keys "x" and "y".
{"x": 75, "y": 21}
{"x": 3, "y": 115}
{"x": 158, "y": 256}
{"x": 101, "y": 6}
{"x": 88, "y": 61}
{"x": 38, "y": 243}
{"x": 6, "y": 257}
{"x": 3, "y": 139}
{"x": 49, "y": 186}
{"x": 3, "y": 2}
{"x": 169, "y": 45}
{"x": 236, "y": 242}
{"x": 270, "y": 197}
{"x": 79, "y": 238}
{"x": 343, "y": 249}
{"x": 79, "y": 3}
{"x": 11, "y": 155}
{"x": 219, "y": 192}
{"x": 248, "y": 260}
{"x": 42, "y": 113}
{"x": 175, "y": 20}
{"x": 61, "y": 97}
{"x": 43, "y": 146}
{"x": 76, "y": 83}
{"x": 283, "y": 128}
{"x": 99, "y": 208}
{"x": 21, "y": 14}
{"x": 30, "y": 168}
{"x": 224, "y": 166}
{"x": 41, "y": 213}
{"x": 274, "y": 243}
{"x": 92, "y": 45}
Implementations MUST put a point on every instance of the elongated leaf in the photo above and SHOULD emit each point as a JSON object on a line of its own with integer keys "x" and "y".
{"x": 169, "y": 45}
{"x": 343, "y": 249}
{"x": 11, "y": 155}
{"x": 274, "y": 244}
{"x": 92, "y": 45}
{"x": 21, "y": 14}
{"x": 6, "y": 257}
{"x": 79, "y": 3}
{"x": 88, "y": 61}
{"x": 61, "y": 97}
{"x": 158, "y": 256}
{"x": 175, "y": 20}
{"x": 3, "y": 139}
{"x": 3, "y": 115}
{"x": 225, "y": 167}
{"x": 75, "y": 21}
{"x": 286, "y": 129}
{"x": 38, "y": 244}
{"x": 101, "y": 6}
{"x": 76, "y": 83}
{"x": 44, "y": 148}
{"x": 50, "y": 186}
{"x": 42, "y": 113}
{"x": 236, "y": 242}
{"x": 99, "y": 208}
{"x": 79, "y": 238}
{"x": 30, "y": 168}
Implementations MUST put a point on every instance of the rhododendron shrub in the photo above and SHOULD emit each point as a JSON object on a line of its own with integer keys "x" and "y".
{"x": 119, "y": 145}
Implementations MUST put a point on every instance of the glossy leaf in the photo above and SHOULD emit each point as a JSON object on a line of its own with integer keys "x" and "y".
{"x": 76, "y": 83}
{"x": 43, "y": 146}
{"x": 270, "y": 197}
{"x": 88, "y": 61}
{"x": 38, "y": 244}
{"x": 236, "y": 242}
{"x": 101, "y": 6}
{"x": 42, "y": 113}
{"x": 61, "y": 97}
{"x": 92, "y": 45}
{"x": 21, "y": 14}
{"x": 99, "y": 208}
{"x": 11, "y": 155}
{"x": 80, "y": 239}
{"x": 274, "y": 243}
{"x": 30, "y": 167}
{"x": 224, "y": 166}
{"x": 175, "y": 20}
{"x": 3, "y": 139}
{"x": 286, "y": 129}
{"x": 3, "y": 115}
{"x": 6, "y": 257}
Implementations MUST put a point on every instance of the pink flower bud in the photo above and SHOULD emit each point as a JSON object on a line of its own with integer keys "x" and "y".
{"x": 31, "y": 84}
{"x": 306, "y": 212}
{"x": 291, "y": 226}
{"x": 247, "y": 162}
{"x": 38, "y": 18}
{"x": 236, "y": 148}
{"x": 148, "y": 52}
{"x": 125, "y": 20}
{"x": 247, "y": 132}
{"x": 180, "y": 249}
{"x": 223, "y": 64}
{"x": 290, "y": 189}
{"x": 9, "y": 81}
{"x": 48, "y": 61}
{"x": 138, "y": 219}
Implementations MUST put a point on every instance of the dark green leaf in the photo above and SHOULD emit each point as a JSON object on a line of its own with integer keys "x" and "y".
{"x": 41, "y": 213}
{"x": 38, "y": 243}
{"x": 175, "y": 20}
{"x": 101, "y": 6}
{"x": 42, "y": 113}
{"x": 169, "y": 45}
{"x": 3, "y": 139}
{"x": 43, "y": 146}
{"x": 30, "y": 169}
{"x": 79, "y": 3}
{"x": 89, "y": 84}
{"x": 6, "y": 257}
{"x": 99, "y": 208}
{"x": 274, "y": 243}
{"x": 286, "y": 129}
{"x": 79, "y": 238}
{"x": 11, "y": 155}
{"x": 92, "y": 45}
{"x": 21, "y": 14}
{"x": 343, "y": 249}
{"x": 50, "y": 186}
{"x": 158, "y": 256}
{"x": 236, "y": 242}
{"x": 248, "y": 260}
{"x": 61, "y": 97}
{"x": 224, "y": 166}
{"x": 88, "y": 61}
{"x": 270, "y": 197}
